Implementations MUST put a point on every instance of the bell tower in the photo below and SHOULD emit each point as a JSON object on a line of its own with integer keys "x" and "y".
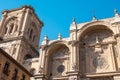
{"x": 20, "y": 32}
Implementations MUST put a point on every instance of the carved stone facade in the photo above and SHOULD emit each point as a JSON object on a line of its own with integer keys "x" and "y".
{"x": 19, "y": 33}
{"x": 91, "y": 52}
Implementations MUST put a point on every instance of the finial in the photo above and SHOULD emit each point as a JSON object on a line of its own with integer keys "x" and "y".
{"x": 59, "y": 36}
{"x": 94, "y": 18}
{"x": 45, "y": 37}
{"x": 73, "y": 21}
{"x": 116, "y": 12}
{"x": 45, "y": 40}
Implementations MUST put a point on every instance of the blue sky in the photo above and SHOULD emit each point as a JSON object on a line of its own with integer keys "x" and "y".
{"x": 57, "y": 15}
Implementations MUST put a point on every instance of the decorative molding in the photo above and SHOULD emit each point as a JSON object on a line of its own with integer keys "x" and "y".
{"x": 73, "y": 43}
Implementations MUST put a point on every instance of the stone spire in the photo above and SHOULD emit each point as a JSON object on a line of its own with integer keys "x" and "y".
{"x": 45, "y": 40}
{"x": 73, "y": 21}
{"x": 73, "y": 25}
{"x": 59, "y": 36}
{"x": 116, "y": 12}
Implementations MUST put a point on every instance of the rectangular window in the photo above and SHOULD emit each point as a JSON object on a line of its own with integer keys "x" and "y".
{"x": 15, "y": 74}
{"x": 23, "y": 77}
{"x": 6, "y": 68}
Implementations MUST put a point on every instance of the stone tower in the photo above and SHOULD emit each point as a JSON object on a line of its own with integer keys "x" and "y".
{"x": 20, "y": 32}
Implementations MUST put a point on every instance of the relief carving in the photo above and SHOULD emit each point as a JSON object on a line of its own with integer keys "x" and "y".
{"x": 95, "y": 51}
{"x": 100, "y": 62}
{"x": 74, "y": 66}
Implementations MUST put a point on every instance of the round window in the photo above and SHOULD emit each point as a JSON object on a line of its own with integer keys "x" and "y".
{"x": 61, "y": 68}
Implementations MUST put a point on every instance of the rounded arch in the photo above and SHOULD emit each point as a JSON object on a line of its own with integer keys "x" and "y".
{"x": 93, "y": 26}
{"x": 32, "y": 32}
{"x": 57, "y": 43}
{"x": 9, "y": 19}
{"x": 10, "y": 23}
{"x": 57, "y": 59}
{"x": 33, "y": 25}
{"x": 95, "y": 39}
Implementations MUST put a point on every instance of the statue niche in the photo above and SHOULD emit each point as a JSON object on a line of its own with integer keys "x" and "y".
{"x": 96, "y": 50}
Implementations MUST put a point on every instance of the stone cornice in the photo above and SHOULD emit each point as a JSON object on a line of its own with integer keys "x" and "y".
{"x": 101, "y": 74}
{"x": 20, "y": 38}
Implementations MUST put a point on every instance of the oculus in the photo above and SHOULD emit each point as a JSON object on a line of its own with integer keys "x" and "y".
{"x": 60, "y": 68}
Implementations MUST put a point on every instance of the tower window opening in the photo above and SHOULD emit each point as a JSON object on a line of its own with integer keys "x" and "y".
{"x": 15, "y": 74}
{"x": 31, "y": 34}
{"x": 6, "y": 68}
{"x": 16, "y": 27}
{"x": 5, "y": 30}
{"x": 11, "y": 27}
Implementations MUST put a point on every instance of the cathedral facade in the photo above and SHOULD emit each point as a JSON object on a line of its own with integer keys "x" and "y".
{"x": 91, "y": 52}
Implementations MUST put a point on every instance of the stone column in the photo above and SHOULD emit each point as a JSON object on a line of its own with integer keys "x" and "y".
{"x": 74, "y": 63}
{"x": 14, "y": 27}
{"x": 21, "y": 20}
{"x": 26, "y": 19}
{"x": 42, "y": 61}
{"x": 2, "y": 23}
{"x": 17, "y": 51}
{"x": 8, "y": 30}
{"x": 73, "y": 56}
{"x": 118, "y": 51}
{"x": 113, "y": 57}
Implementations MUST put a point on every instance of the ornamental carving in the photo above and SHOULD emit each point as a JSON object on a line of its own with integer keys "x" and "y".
{"x": 74, "y": 66}
{"x": 96, "y": 52}
{"x": 100, "y": 62}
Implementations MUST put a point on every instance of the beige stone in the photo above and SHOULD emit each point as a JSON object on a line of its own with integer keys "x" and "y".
{"x": 91, "y": 52}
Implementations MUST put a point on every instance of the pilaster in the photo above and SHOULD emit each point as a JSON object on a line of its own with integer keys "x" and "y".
{"x": 118, "y": 50}
{"x": 26, "y": 19}
{"x": 2, "y": 22}
{"x": 42, "y": 62}
{"x": 74, "y": 73}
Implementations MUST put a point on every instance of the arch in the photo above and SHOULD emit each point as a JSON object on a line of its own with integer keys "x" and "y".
{"x": 32, "y": 30}
{"x": 57, "y": 56}
{"x": 34, "y": 26}
{"x": 10, "y": 24}
{"x": 95, "y": 39}
{"x": 10, "y": 18}
{"x": 57, "y": 43}
{"x": 93, "y": 26}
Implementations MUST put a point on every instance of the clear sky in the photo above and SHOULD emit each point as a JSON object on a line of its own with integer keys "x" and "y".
{"x": 57, "y": 15}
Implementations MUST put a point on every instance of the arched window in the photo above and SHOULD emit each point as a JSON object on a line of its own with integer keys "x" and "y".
{"x": 33, "y": 38}
{"x": 30, "y": 36}
{"x": 16, "y": 27}
{"x": 58, "y": 61}
{"x": 11, "y": 27}
{"x": 5, "y": 30}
